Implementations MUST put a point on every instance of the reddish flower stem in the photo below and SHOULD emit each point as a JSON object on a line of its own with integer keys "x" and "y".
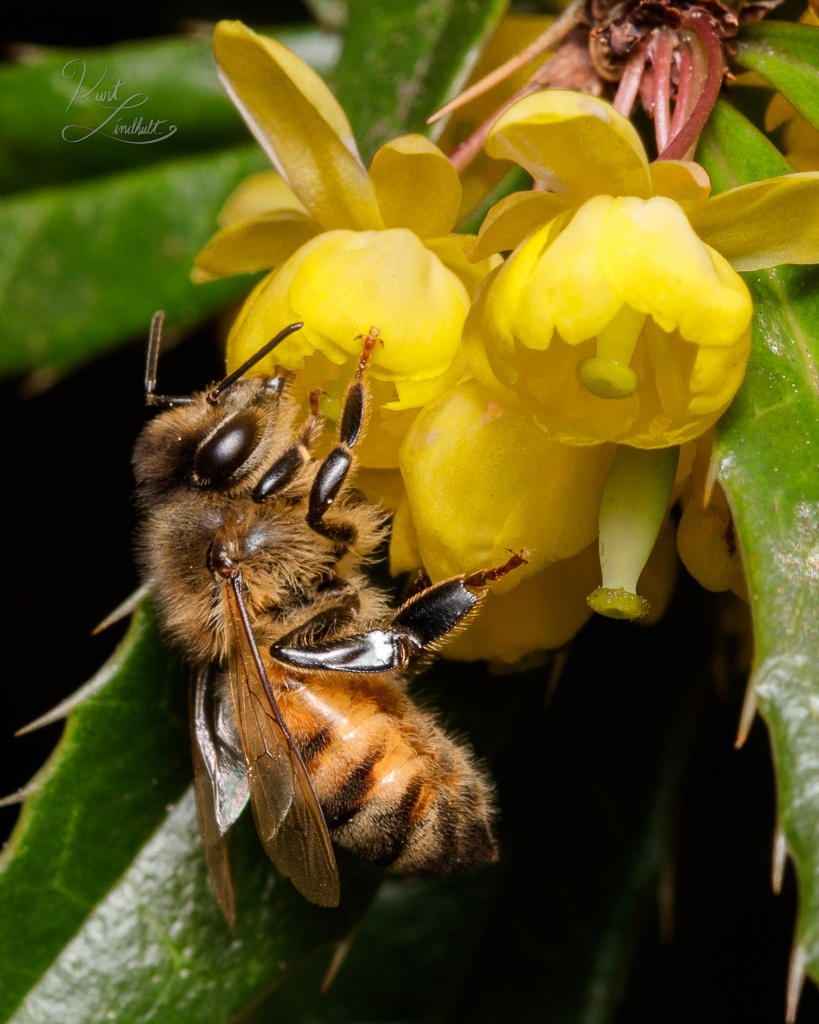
{"x": 663, "y": 54}
{"x": 686, "y": 138}
{"x": 682, "y": 106}
{"x": 630, "y": 82}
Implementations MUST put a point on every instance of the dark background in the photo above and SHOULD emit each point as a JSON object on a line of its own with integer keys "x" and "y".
{"x": 67, "y": 522}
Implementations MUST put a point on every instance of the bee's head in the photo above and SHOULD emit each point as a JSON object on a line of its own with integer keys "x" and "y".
{"x": 212, "y": 440}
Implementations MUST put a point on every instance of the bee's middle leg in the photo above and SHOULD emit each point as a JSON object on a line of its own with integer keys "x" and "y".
{"x": 287, "y": 467}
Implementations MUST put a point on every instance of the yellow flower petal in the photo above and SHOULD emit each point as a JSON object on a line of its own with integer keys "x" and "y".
{"x": 681, "y": 180}
{"x": 412, "y": 394}
{"x": 716, "y": 376}
{"x": 765, "y": 223}
{"x": 257, "y": 195}
{"x": 513, "y": 219}
{"x": 474, "y": 343}
{"x": 382, "y": 487}
{"x": 779, "y": 111}
{"x": 542, "y": 613}
{"x": 482, "y": 478}
{"x": 451, "y": 252}
{"x": 658, "y": 266}
{"x": 265, "y": 312}
{"x": 299, "y": 124}
{"x": 404, "y": 553}
{"x": 249, "y": 246}
{"x": 800, "y": 142}
{"x": 505, "y": 296}
{"x": 416, "y": 186}
{"x": 573, "y": 144}
{"x": 353, "y": 281}
{"x": 567, "y": 290}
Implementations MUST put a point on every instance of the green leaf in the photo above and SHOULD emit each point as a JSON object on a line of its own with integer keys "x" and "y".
{"x": 768, "y": 452}
{"x": 421, "y": 929}
{"x": 786, "y": 56}
{"x": 402, "y": 60}
{"x": 120, "y": 761}
{"x": 106, "y": 869}
{"x": 83, "y": 267}
{"x": 178, "y": 79}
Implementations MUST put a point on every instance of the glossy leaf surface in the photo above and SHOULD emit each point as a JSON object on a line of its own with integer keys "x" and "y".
{"x": 768, "y": 452}
{"x": 121, "y": 760}
{"x": 786, "y": 56}
{"x": 169, "y": 80}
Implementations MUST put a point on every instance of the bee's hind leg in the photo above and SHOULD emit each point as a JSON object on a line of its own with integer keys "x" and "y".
{"x": 417, "y": 626}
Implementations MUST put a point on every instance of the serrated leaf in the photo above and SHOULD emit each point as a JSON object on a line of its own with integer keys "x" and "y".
{"x": 178, "y": 79}
{"x": 768, "y": 451}
{"x": 786, "y": 56}
{"x": 83, "y": 267}
{"x": 402, "y": 60}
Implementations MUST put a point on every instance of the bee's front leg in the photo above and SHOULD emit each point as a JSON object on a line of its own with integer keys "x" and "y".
{"x": 417, "y": 626}
{"x": 336, "y": 467}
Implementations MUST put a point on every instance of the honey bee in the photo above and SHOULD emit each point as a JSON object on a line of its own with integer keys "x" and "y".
{"x": 253, "y": 550}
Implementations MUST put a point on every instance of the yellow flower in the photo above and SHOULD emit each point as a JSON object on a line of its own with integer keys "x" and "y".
{"x": 482, "y": 479}
{"x": 620, "y": 315}
{"x": 349, "y": 250}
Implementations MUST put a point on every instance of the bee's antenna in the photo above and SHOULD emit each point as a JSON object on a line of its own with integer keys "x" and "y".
{"x": 165, "y": 401}
{"x": 231, "y": 378}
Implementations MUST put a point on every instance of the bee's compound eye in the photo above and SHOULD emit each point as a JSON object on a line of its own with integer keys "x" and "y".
{"x": 227, "y": 449}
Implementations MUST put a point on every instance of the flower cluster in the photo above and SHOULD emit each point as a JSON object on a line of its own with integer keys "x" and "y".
{"x": 558, "y": 400}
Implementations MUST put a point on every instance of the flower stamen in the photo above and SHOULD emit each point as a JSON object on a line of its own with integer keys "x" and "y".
{"x": 608, "y": 374}
{"x": 630, "y": 82}
{"x": 663, "y": 59}
{"x": 684, "y": 142}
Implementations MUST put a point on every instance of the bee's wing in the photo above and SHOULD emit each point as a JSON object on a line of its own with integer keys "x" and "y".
{"x": 288, "y": 818}
{"x": 219, "y": 782}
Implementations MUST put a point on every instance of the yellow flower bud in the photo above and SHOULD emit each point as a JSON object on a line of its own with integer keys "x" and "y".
{"x": 707, "y": 542}
{"x": 482, "y": 479}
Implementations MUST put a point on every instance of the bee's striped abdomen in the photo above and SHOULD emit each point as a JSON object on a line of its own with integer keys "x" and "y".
{"x": 395, "y": 790}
